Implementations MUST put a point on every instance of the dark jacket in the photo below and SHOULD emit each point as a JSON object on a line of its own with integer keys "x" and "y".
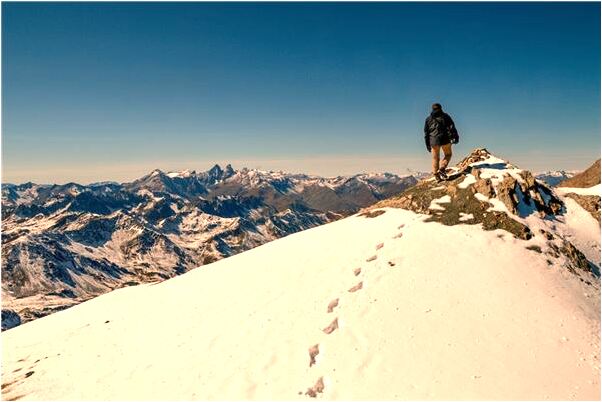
{"x": 439, "y": 129}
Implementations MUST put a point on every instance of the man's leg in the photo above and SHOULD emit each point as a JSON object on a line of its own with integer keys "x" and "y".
{"x": 447, "y": 155}
{"x": 435, "y": 155}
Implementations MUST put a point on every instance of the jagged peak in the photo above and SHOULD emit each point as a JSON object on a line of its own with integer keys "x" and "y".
{"x": 215, "y": 170}
{"x": 480, "y": 156}
{"x": 156, "y": 172}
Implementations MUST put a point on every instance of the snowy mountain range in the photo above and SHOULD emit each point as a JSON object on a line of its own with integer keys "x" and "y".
{"x": 555, "y": 177}
{"x": 62, "y": 244}
{"x": 486, "y": 286}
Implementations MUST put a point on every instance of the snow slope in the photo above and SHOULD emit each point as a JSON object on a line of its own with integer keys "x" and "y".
{"x": 554, "y": 177}
{"x": 418, "y": 310}
{"x": 64, "y": 244}
{"x": 594, "y": 190}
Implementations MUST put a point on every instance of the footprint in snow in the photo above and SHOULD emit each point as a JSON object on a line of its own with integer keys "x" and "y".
{"x": 313, "y": 352}
{"x": 379, "y": 246}
{"x": 398, "y": 235}
{"x": 371, "y": 258}
{"x": 357, "y": 271}
{"x": 356, "y": 287}
{"x": 332, "y": 305}
{"x": 318, "y": 388}
{"x": 391, "y": 263}
{"x": 401, "y": 226}
{"x": 333, "y": 325}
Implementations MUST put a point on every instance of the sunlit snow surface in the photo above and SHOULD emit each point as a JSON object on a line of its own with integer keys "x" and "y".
{"x": 594, "y": 190}
{"x": 435, "y": 312}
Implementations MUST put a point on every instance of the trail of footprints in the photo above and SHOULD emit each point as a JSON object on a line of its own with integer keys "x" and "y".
{"x": 314, "y": 350}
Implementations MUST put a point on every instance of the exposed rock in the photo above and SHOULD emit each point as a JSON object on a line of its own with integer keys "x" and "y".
{"x": 483, "y": 186}
{"x": 523, "y": 197}
{"x": 537, "y": 249}
{"x": 10, "y": 319}
{"x": 372, "y": 214}
{"x": 419, "y": 198}
{"x": 477, "y": 155}
{"x": 506, "y": 192}
{"x": 577, "y": 262}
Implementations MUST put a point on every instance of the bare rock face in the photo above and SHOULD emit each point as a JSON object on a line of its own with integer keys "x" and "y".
{"x": 10, "y": 319}
{"x": 528, "y": 194}
{"x": 506, "y": 192}
{"x": 477, "y": 155}
{"x": 484, "y": 186}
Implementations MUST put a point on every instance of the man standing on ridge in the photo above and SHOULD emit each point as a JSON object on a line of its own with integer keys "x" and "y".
{"x": 439, "y": 133}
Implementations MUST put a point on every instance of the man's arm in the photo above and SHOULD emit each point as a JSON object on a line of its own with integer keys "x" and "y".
{"x": 427, "y": 141}
{"x": 451, "y": 126}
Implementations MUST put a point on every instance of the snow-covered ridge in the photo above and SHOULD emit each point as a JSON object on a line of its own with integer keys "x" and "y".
{"x": 554, "y": 177}
{"x": 374, "y": 314}
{"x": 63, "y": 244}
{"x": 594, "y": 190}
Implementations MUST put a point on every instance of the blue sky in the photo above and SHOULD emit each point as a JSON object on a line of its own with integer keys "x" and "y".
{"x": 109, "y": 91}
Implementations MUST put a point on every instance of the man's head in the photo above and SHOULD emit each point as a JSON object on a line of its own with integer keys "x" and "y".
{"x": 437, "y": 107}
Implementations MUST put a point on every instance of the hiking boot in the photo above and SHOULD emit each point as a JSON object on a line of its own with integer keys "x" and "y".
{"x": 441, "y": 173}
{"x": 438, "y": 177}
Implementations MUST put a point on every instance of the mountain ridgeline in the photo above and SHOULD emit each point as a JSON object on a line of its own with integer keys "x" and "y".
{"x": 63, "y": 244}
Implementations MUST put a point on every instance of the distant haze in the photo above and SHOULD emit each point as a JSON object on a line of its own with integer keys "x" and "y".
{"x": 327, "y": 166}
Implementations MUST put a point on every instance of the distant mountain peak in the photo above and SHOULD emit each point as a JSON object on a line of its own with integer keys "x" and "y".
{"x": 215, "y": 170}
{"x": 159, "y": 225}
{"x": 182, "y": 174}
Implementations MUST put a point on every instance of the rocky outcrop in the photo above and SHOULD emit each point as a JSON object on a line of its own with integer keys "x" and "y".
{"x": 462, "y": 203}
{"x": 522, "y": 196}
{"x": 10, "y": 319}
{"x": 489, "y": 191}
{"x": 477, "y": 155}
{"x": 482, "y": 186}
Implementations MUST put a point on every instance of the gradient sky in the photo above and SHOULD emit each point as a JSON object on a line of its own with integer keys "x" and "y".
{"x": 109, "y": 91}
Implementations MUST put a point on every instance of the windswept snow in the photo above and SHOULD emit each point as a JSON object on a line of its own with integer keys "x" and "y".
{"x": 183, "y": 173}
{"x": 312, "y": 314}
{"x": 466, "y": 217}
{"x": 435, "y": 204}
{"x": 468, "y": 180}
{"x": 594, "y": 190}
